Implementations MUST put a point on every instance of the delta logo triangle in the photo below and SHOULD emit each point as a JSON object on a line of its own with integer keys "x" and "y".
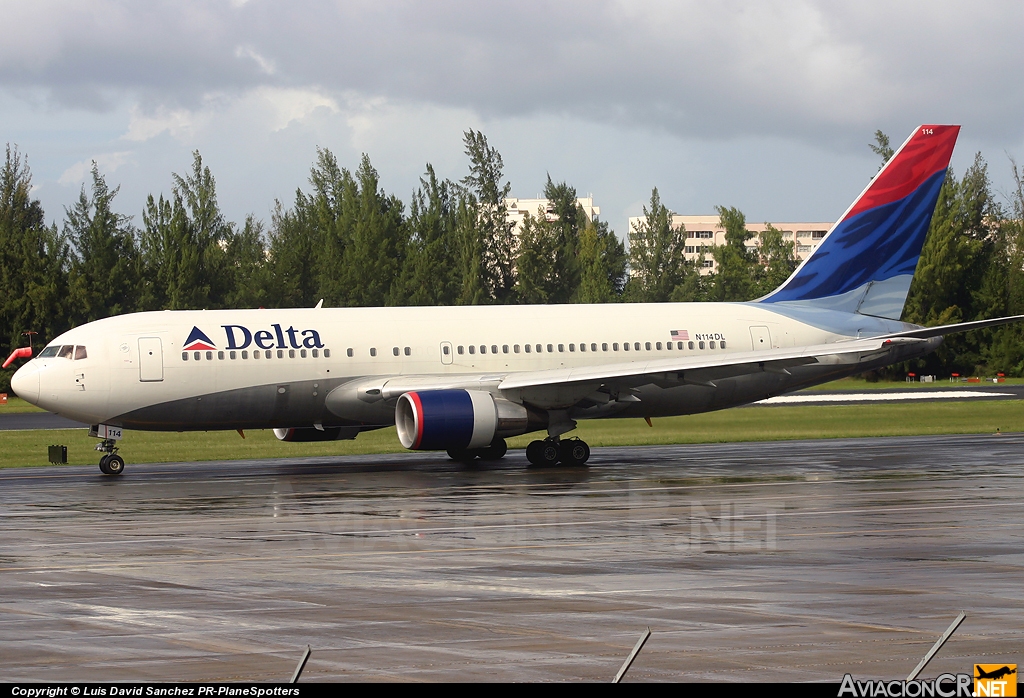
{"x": 198, "y": 341}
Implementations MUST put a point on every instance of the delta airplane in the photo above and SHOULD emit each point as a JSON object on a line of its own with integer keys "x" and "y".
{"x": 462, "y": 379}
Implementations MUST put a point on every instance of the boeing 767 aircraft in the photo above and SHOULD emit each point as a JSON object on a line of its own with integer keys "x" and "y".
{"x": 461, "y": 379}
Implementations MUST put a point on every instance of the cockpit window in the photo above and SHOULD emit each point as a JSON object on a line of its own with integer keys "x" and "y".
{"x": 49, "y": 351}
{"x": 80, "y": 352}
{"x": 66, "y": 351}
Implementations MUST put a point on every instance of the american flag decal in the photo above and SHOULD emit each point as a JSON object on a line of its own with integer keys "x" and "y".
{"x": 679, "y": 334}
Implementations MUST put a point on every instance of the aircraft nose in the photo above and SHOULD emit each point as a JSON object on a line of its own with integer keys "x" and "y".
{"x": 25, "y": 382}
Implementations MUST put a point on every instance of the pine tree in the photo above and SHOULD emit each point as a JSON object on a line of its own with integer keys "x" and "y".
{"x": 34, "y": 260}
{"x": 736, "y": 267}
{"x": 104, "y": 275}
{"x": 433, "y": 270}
{"x": 490, "y": 237}
{"x": 656, "y": 262}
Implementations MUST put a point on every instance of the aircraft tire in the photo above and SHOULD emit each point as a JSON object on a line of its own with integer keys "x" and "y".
{"x": 103, "y": 465}
{"x": 496, "y": 451}
{"x": 573, "y": 452}
{"x": 115, "y": 464}
{"x": 542, "y": 453}
{"x": 463, "y": 455}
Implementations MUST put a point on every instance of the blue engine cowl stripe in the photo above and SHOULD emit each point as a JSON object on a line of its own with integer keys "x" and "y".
{"x": 447, "y": 417}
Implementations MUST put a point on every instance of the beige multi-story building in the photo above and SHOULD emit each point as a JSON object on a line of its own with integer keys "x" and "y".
{"x": 703, "y": 232}
{"x": 516, "y": 209}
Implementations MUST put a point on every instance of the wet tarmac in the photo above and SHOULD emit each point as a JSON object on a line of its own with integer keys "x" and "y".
{"x": 783, "y": 561}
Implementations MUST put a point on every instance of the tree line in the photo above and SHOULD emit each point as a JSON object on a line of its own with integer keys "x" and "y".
{"x": 348, "y": 242}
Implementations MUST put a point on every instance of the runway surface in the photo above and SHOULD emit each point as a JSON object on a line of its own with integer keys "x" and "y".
{"x": 757, "y": 561}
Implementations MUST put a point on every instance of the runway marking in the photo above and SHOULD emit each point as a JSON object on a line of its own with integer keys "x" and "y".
{"x": 879, "y": 397}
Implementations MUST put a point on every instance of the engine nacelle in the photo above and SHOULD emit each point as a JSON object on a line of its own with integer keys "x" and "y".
{"x": 312, "y": 434}
{"x": 437, "y": 420}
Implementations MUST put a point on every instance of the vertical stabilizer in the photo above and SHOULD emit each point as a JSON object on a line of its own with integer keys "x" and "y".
{"x": 866, "y": 262}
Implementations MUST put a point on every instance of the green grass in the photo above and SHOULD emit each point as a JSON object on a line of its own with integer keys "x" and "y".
{"x": 856, "y": 383}
{"x": 15, "y": 405}
{"x": 29, "y": 448}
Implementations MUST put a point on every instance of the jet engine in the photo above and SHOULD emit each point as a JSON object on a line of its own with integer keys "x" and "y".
{"x": 434, "y": 420}
{"x": 313, "y": 434}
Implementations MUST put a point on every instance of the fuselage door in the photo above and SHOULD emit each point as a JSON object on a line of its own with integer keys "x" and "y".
{"x": 151, "y": 359}
{"x": 447, "y": 354}
{"x": 760, "y": 339}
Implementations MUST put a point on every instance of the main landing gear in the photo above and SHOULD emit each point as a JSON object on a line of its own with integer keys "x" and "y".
{"x": 569, "y": 452}
{"x": 110, "y": 463}
{"x": 496, "y": 451}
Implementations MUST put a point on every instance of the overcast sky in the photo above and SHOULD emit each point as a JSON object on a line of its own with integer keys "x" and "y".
{"x": 768, "y": 106}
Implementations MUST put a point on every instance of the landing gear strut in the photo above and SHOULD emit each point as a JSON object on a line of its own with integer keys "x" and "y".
{"x": 570, "y": 452}
{"x": 110, "y": 463}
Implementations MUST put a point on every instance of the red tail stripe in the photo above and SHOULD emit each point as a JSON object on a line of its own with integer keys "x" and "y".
{"x": 927, "y": 152}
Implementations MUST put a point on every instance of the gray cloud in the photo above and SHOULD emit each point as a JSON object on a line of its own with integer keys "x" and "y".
{"x": 796, "y": 69}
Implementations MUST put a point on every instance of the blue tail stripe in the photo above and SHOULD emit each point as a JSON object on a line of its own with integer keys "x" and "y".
{"x": 874, "y": 245}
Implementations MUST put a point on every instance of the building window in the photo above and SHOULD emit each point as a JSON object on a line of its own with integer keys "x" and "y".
{"x": 818, "y": 234}
{"x": 708, "y": 263}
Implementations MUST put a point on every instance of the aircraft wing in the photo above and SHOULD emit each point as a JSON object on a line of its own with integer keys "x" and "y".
{"x": 565, "y": 387}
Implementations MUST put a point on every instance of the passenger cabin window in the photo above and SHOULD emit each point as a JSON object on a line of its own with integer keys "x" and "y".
{"x": 625, "y": 346}
{"x": 528, "y": 348}
{"x": 373, "y": 352}
{"x": 472, "y": 349}
{"x": 327, "y": 353}
{"x": 444, "y": 350}
{"x": 494, "y": 348}
{"x": 220, "y": 356}
{"x": 291, "y": 354}
{"x": 395, "y": 351}
{"x": 302, "y": 353}
{"x": 721, "y": 345}
{"x": 550, "y": 348}
{"x": 647, "y": 346}
{"x": 348, "y": 352}
{"x": 407, "y": 351}
{"x": 515, "y": 348}
{"x": 561, "y": 347}
{"x": 80, "y": 352}
{"x": 316, "y": 353}
{"x": 711, "y": 345}
{"x": 701, "y": 345}
{"x": 504, "y": 348}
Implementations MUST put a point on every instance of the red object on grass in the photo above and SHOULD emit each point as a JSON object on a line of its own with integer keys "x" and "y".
{"x": 20, "y": 353}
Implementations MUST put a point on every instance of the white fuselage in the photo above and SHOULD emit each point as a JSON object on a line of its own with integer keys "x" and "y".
{"x": 275, "y": 368}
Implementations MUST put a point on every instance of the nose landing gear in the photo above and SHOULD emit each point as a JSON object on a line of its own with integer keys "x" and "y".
{"x": 110, "y": 463}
